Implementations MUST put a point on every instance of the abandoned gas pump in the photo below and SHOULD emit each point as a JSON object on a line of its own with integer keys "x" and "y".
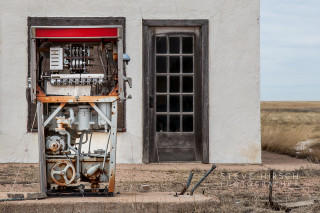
{"x": 76, "y": 80}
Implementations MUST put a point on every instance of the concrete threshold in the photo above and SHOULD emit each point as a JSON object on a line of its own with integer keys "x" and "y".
{"x": 124, "y": 202}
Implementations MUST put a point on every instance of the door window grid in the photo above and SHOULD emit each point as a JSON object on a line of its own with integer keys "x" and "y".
{"x": 172, "y": 117}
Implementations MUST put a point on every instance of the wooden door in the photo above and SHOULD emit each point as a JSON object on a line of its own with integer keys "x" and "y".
{"x": 175, "y": 106}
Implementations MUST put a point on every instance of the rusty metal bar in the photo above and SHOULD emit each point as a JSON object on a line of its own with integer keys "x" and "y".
{"x": 187, "y": 185}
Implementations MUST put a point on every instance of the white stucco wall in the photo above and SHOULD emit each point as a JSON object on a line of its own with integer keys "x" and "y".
{"x": 233, "y": 72}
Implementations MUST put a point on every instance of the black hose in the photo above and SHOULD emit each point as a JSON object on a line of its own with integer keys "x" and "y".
{"x": 81, "y": 140}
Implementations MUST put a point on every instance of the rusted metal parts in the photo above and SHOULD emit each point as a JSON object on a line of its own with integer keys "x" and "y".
{"x": 63, "y": 173}
{"x": 187, "y": 185}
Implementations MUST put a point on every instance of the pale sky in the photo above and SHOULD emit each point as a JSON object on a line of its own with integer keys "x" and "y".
{"x": 290, "y": 50}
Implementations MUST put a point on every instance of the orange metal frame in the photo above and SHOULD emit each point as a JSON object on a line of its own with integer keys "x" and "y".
{"x": 42, "y": 97}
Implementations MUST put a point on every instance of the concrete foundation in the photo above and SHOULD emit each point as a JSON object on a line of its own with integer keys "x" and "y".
{"x": 127, "y": 202}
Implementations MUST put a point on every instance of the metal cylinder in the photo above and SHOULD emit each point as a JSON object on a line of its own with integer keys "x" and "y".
{"x": 84, "y": 117}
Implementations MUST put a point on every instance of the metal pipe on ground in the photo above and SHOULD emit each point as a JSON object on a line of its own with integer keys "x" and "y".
{"x": 187, "y": 185}
{"x": 202, "y": 179}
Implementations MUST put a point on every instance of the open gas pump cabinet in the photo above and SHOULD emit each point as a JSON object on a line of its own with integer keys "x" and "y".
{"x": 76, "y": 79}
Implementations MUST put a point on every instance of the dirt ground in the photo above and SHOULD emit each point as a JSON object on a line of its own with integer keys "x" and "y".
{"x": 240, "y": 188}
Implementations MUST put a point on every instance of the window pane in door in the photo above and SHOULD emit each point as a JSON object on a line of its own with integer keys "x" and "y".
{"x": 187, "y": 45}
{"x": 174, "y": 123}
{"x": 187, "y": 64}
{"x": 187, "y": 103}
{"x": 161, "y": 123}
{"x": 161, "y": 64}
{"x": 187, "y": 121}
{"x": 174, "y": 103}
{"x": 161, "y": 103}
{"x": 187, "y": 84}
{"x": 174, "y": 45}
{"x": 161, "y": 44}
{"x": 174, "y": 84}
{"x": 161, "y": 84}
{"x": 174, "y": 62}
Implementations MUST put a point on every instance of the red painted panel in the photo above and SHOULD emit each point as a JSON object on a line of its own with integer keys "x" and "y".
{"x": 78, "y": 39}
{"x": 75, "y": 32}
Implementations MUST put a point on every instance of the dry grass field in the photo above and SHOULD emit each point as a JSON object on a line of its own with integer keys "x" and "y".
{"x": 291, "y": 128}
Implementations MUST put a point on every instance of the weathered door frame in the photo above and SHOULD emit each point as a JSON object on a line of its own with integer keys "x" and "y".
{"x": 147, "y": 69}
